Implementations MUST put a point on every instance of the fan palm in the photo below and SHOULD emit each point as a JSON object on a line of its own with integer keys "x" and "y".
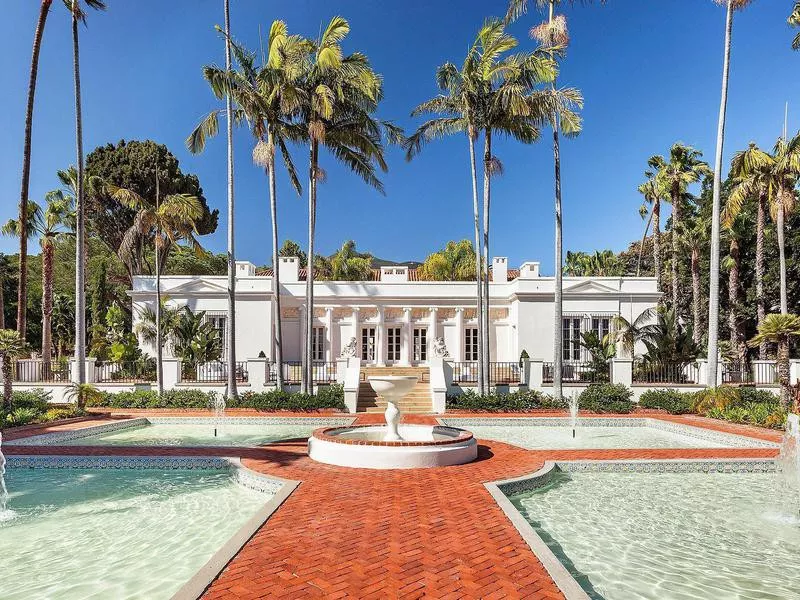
{"x": 674, "y": 177}
{"x": 340, "y": 93}
{"x": 794, "y": 21}
{"x": 265, "y": 97}
{"x": 55, "y": 221}
{"x": 784, "y": 176}
{"x": 694, "y": 236}
{"x": 629, "y": 333}
{"x": 751, "y": 171}
{"x": 713, "y": 291}
{"x": 779, "y": 329}
{"x": 79, "y": 16}
{"x": 553, "y": 34}
{"x": 653, "y": 195}
{"x": 11, "y": 346}
{"x": 668, "y": 341}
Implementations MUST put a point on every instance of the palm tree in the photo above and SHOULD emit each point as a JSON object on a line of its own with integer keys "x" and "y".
{"x": 49, "y": 225}
{"x": 674, "y": 177}
{"x": 779, "y": 329}
{"x": 629, "y": 333}
{"x": 170, "y": 221}
{"x": 78, "y": 15}
{"x": 652, "y": 195}
{"x": 794, "y": 21}
{"x": 713, "y": 292}
{"x": 751, "y": 170}
{"x": 553, "y": 34}
{"x": 782, "y": 199}
{"x": 340, "y": 93}
{"x": 694, "y": 235}
{"x": 265, "y": 97}
{"x": 22, "y": 290}
{"x": 11, "y": 346}
{"x": 82, "y": 393}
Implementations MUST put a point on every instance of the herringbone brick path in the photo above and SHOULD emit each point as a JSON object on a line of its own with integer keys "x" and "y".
{"x": 428, "y": 533}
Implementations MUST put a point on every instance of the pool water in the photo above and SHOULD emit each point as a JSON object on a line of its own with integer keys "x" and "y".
{"x": 665, "y": 536}
{"x": 169, "y": 434}
{"x": 115, "y": 533}
{"x": 543, "y": 437}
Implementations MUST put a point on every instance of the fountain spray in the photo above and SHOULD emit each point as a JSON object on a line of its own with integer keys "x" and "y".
{"x": 3, "y": 489}
{"x": 573, "y": 412}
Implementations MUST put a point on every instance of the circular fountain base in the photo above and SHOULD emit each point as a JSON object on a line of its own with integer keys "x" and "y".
{"x": 364, "y": 447}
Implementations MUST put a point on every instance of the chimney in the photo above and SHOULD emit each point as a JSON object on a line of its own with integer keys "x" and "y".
{"x": 499, "y": 269}
{"x": 289, "y": 269}
{"x": 244, "y": 268}
{"x": 529, "y": 270}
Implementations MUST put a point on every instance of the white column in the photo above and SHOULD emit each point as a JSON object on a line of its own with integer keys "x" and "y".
{"x": 432, "y": 333}
{"x": 405, "y": 346}
{"x": 329, "y": 334}
{"x": 356, "y": 332}
{"x": 458, "y": 350}
{"x": 302, "y": 332}
{"x": 380, "y": 342}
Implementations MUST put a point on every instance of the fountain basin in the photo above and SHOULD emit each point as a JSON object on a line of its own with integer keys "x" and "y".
{"x": 364, "y": 447}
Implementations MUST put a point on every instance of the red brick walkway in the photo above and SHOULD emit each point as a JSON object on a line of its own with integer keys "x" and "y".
{"x": 433, "y": 533}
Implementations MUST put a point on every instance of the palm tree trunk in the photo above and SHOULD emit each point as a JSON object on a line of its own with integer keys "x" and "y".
{"x": 696, "y": 331}
{"x": 478, "y": 256}
{"x": 47, "y": 302}
{"x": 675, "y": 238}
{"x": 782, "y": 257}
{"x": 484, "y": 317}
{"x": 231, "y": 317}
{"x": 657, "y": 242}
{"x": 736, "y": 337}
{"x": 22, "y": 290}
{"x": 783, "y": 370}
{"x": 7, "y": 384}
{"x": 159, "y": 337}
{"x": 308, "y": 378}
{"x": 80, "y": 291}
{"x": 760, "y": 308}
{"x": 559, "y": 276}
{"x": 276, "y": 285}
{"x": 713, "y": 292}
{"x": 2, "y": 300}
{"x": 641, "y": 245}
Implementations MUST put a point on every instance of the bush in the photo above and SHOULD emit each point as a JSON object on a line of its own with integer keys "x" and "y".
{"x": 331, "y": 396}
{"x": 721, "y": 397}
{"x": 763, "y": 414}
{"x": 36, "y": 399}
{"x": 606, "y": 398}
{"x": 521, "y": 401}
{"x": 750, "y": 395}
{"x": 673, "y": 401}
{"x": 22, "y": 416}
{"x": 150, "y": 399}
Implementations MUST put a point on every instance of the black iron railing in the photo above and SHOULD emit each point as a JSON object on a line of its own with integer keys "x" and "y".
{"x": 124, "y": 372}
{"x": 668, "y": 373}
{"x": 215, "y": 372}
{"x": 574, "y": 373}
{"x": 40, "y": 371}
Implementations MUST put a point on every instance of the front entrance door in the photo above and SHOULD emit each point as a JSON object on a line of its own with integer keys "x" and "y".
{"x": 368, "y": 344}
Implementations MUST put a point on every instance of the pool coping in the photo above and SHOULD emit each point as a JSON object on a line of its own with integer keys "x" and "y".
{"x": 728, "y": 439}
{"x": 197, "y": 584}
{"x": 501, "y": 490}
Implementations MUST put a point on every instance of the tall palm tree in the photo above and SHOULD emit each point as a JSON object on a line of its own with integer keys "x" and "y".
{"x": 266, "y": 97}
{"x": 652, "y": 195}
{"x": 674, "y": 177}
{"x": 713, "y": 292}
{"x": 459, "y": 108}
{"x": 693, "y": 234}
{"x": 751, "y": 170}
{"x": 782, "y": 199}
{"x": 56, "y": 220}
{"x": 340, "y": 95}
{"x": 553, "y": 34}
{"x": 79, "y": 16}
{"x": 11, "y": 346}
{"x": 794, "y": 21}
{"x": 22, "y": 289}
{"x": 779, "y": 329}
{"x": 170, "y": 221}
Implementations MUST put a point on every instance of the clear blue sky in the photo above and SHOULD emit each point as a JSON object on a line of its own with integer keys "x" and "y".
{"x": 650, "y": 73}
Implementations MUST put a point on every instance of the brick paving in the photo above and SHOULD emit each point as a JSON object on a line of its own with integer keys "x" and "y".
{"x": 432, "y": 533}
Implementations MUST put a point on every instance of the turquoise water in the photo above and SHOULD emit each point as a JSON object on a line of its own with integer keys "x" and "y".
{"x": 671, "y": 536}
{"x": 115, "y": 533}
{"x": 541, "y": 437}
{"x": 230, "y": 434}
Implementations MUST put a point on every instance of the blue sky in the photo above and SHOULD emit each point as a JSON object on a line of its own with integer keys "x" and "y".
{"x": 650, "y": 73}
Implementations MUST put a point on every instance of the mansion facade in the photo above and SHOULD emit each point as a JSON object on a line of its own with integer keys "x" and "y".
{"x": 395, "y": 319}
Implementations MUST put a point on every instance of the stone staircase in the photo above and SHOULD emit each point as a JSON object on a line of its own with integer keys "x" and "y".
{"x": 417, "y": 401}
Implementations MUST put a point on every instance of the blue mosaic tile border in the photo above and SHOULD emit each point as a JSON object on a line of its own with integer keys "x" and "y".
{"x": 728, "y": 439}
{"x": 55, "y": 438}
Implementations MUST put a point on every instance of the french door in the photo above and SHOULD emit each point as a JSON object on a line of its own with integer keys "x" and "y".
{"x": 420, "y": 344}
{"x": 393, "y": 344}
{"x": 368, "y": 344}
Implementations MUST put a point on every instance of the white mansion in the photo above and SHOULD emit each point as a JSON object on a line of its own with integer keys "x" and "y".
{"x": 395, "y": 318}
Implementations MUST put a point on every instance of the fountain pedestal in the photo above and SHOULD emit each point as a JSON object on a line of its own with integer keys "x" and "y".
{"x": 392, "y": 388}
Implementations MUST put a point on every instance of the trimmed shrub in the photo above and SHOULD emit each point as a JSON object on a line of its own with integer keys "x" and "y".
{"x": 22, "y": 416}
{"x": 749, "y": 395}
{"x": 673, "y": 401}
{"x": 36, "y": 399}
{"x": 606, "y": 398}
{"x": 149, "y": 399}
{"x": 521, "y": 401}
{"x": 327, "y": 397}
{"x": 721, "y": 397}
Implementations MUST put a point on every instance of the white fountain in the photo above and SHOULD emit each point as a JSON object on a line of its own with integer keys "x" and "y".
{"x": 392, "y": 446}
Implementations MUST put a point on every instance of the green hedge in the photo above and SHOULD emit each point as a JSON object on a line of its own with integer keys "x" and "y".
{"x": 606, "y": 398}
{"x": 673, "y": 401}
{"x": 327, "y": 397}
{"x": 150, "y": 399}
{"x": 521, "y": 401}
